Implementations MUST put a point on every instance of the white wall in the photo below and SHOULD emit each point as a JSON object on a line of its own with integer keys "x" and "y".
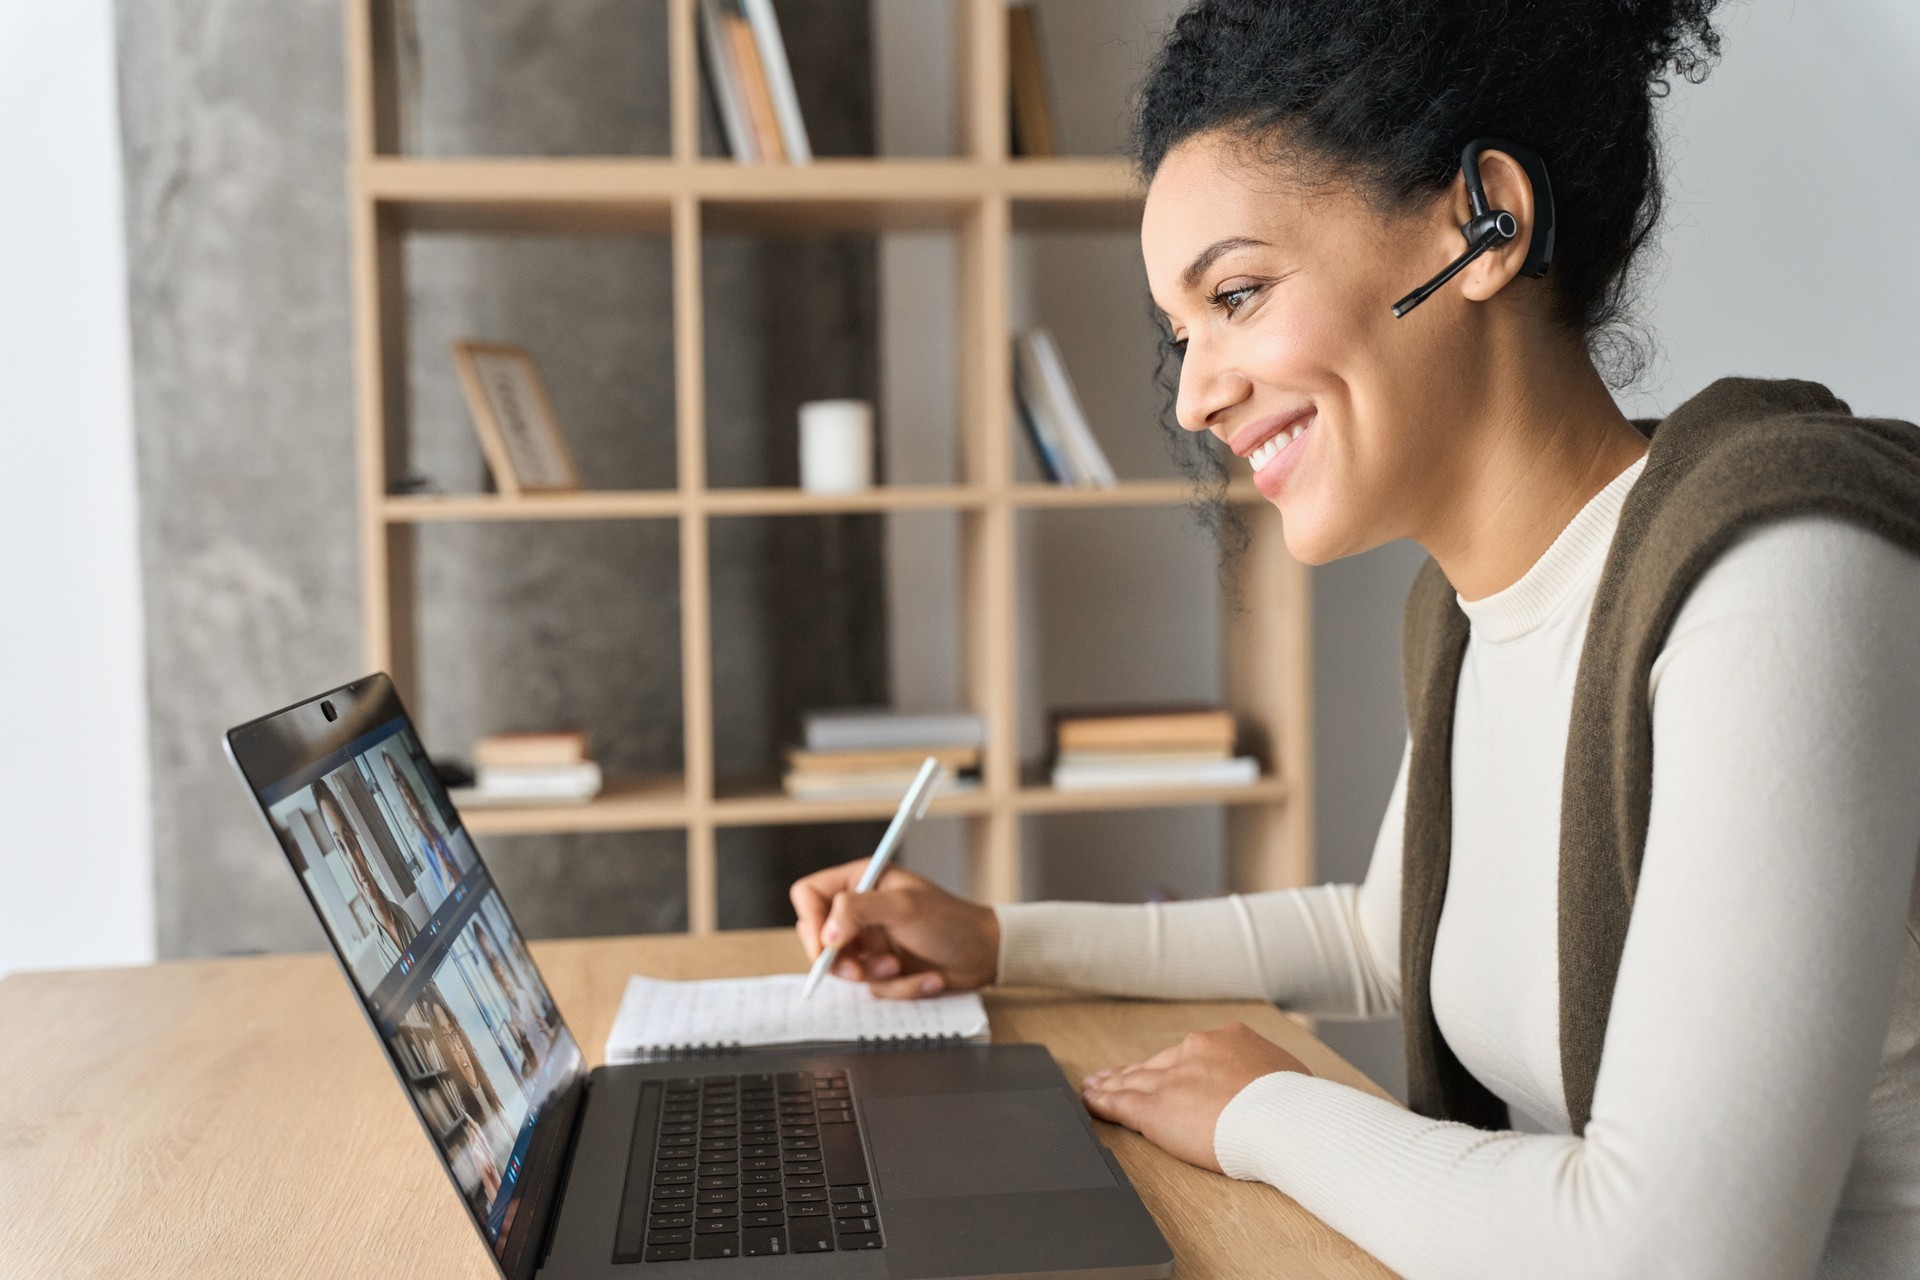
{"x": 1794, "y": 176}
{"x": 76, "y": 873}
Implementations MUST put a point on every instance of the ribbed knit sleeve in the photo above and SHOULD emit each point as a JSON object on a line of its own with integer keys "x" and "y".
{"x": 1753, "y": 1003}
{"x": 1329, "y": 950}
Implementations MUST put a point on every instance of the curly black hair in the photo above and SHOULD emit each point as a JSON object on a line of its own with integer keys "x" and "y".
{"x": 1385, "y": 93}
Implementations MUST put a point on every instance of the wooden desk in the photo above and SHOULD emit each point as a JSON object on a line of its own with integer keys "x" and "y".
{"x": 236, "y": 1118}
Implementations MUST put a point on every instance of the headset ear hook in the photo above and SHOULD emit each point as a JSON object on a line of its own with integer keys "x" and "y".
{"x": 1489, "y": 226}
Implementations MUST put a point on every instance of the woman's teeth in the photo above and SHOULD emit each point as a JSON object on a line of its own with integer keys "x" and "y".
{"x": 1271, "y": 449}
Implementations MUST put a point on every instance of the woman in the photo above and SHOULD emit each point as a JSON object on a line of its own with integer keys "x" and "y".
{"x": 1668, "y": 681}
{"x": 477, "y": 1110}
{"x": 439, "y": 858}
{"x": 392, "y": 920}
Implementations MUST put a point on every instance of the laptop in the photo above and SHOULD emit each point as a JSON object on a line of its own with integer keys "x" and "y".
{"x": 965, "y": 1159}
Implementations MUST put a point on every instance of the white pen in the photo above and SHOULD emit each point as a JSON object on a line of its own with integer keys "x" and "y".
{"x": 913, "y": 805}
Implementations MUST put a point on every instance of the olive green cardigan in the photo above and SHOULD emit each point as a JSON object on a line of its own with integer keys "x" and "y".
{"x": 1741, "y": 453}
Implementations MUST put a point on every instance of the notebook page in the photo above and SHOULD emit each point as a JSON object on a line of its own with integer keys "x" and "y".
{"x": 658, "y": 1016}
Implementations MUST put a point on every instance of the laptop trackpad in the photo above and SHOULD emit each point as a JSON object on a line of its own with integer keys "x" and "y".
{"x": 974, "y": 1144}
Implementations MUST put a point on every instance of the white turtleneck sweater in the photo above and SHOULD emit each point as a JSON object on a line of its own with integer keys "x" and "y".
{"x": 1757, "y": 1112}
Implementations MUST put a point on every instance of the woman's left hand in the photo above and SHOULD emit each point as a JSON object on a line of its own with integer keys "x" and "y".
{"x": 1174, "y": 1099}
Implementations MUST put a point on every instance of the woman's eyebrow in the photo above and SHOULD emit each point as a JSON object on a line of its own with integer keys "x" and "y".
{"x": 1212, "y": 253}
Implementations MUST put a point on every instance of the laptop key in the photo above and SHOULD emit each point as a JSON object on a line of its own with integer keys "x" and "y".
{"x": 840, "y": 1149}
{"x": 682, "y": 1236}
{"x": 762, "y": 1204}
{"x": 728, "y": 1210}
{"x": 673, "y": 1206}
{"x": 717, "y": 1246}
{"x": 763, "y": 1219}
{"x": 715, "y": 1184}
{"x": 806, "y": 1195}
{"x": 758, "y": 1242}
{"x": 805, "y": 1180}
{"x": 851, "y": 1195}
{"x": 668, "y": 1252}
{"x": 860, "y": 1242}
{"x": 716, "y": 1226}
{"x": 855, "y": 1226}
{"x": 760, "y": 1162}
{"x": 720, "y": 1195}
{"x": 673, "y": 1166}
{"x": 669, "y": 1221}
{"x": 809, "y": 1235}
{"x": 803, "y": 1210}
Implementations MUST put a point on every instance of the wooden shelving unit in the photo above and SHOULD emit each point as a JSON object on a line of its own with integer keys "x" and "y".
{"x": 981, "y": 198}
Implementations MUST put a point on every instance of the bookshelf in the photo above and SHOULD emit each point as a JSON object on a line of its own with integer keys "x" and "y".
{"x": 980, "y": 197}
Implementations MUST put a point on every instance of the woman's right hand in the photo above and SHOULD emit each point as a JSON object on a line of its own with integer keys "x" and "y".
{"x": 906, "y": 937}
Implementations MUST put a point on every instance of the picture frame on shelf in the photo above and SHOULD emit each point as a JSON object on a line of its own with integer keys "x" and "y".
{"x": 519, "y": 432}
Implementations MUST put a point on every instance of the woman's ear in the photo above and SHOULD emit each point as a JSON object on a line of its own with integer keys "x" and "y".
{"x": 1507, "y": 187}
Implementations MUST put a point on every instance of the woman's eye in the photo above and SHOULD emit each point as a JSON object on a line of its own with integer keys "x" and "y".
{"x": 1231, "y": 300}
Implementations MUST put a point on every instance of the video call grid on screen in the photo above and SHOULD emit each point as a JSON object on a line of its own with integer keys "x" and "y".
{"x": 429, "y": 946}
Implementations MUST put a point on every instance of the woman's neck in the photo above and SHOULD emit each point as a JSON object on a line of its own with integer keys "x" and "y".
{"x": 1545, "y": 444}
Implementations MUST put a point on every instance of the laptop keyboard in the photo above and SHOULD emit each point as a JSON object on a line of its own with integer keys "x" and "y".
{"x": 748, "y": 1166}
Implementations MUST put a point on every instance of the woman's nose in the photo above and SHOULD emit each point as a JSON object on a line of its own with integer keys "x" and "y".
{"x": 1206, "y": 389}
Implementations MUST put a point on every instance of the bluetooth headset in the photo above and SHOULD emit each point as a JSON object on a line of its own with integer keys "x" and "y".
{"x": 1489, "y": 226}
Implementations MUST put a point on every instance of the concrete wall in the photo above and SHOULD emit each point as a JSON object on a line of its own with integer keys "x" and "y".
{"x": 236, "y": 222}
{"x": 76, "y": 867}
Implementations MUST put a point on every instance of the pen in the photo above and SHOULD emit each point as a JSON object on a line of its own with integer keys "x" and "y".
{"x": 912, "y": 805}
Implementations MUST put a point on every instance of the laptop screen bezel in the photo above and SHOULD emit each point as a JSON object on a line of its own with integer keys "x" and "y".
{"x": 298, "y": 738}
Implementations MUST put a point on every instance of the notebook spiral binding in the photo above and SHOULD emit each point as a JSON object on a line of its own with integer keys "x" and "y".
{"x": 865, "y": 1044}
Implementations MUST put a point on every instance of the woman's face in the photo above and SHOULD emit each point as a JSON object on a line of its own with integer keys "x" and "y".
{"x": 349, "y": 847}
{"x": 1282, "y": 297}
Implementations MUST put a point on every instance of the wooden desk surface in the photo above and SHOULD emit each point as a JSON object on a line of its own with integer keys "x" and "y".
{"x": 236, "y": 1118}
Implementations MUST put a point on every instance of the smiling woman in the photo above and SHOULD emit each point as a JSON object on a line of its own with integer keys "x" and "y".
{"x": 1648, "y": 873}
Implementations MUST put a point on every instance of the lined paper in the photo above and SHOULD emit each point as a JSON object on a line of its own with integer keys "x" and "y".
{"x": 658, "y": 1017}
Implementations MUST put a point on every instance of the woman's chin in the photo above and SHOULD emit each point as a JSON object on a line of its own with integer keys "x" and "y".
{"x": 1311, "y": 538}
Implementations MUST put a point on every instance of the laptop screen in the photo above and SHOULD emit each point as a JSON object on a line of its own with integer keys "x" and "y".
{"x": 427, "y": 942}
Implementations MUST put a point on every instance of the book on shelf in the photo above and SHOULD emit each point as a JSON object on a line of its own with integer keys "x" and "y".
{"x": 907, "y": 759}
{"x": 878, "y": 785}
{"x": 1121, "y": 747}
{"x": 557, "y": 747}
{"x": 1057, "y": 424}
{"x": 530, "y": 784}
{"x": 751, "y": 80}
{"x": 722, "y": 80}
{"x": 1169, "y": 728}
{"x": 873, "y": 754}
{"x": 779, "y": 76}
{"x": 1233, "y": 771}
{"x": 1030, "y": 115}
{"x": 882, "y": 729}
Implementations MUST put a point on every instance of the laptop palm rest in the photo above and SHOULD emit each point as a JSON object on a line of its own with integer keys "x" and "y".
{"x": 1021, "y": 1142}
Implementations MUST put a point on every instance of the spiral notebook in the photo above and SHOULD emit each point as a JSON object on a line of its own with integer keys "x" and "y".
{"x": 659, "y": 1019}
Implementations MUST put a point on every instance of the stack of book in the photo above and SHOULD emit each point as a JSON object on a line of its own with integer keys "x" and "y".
{"x": 531, "y": 768}
{"x": 1056, "y": 426}
{"x": 1135, "y": 747}
{"x": 752, "y": 82}
{"x": 874, "y": 754}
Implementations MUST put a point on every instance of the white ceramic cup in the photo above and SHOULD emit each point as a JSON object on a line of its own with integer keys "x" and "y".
{"x": 836, "y": 446}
